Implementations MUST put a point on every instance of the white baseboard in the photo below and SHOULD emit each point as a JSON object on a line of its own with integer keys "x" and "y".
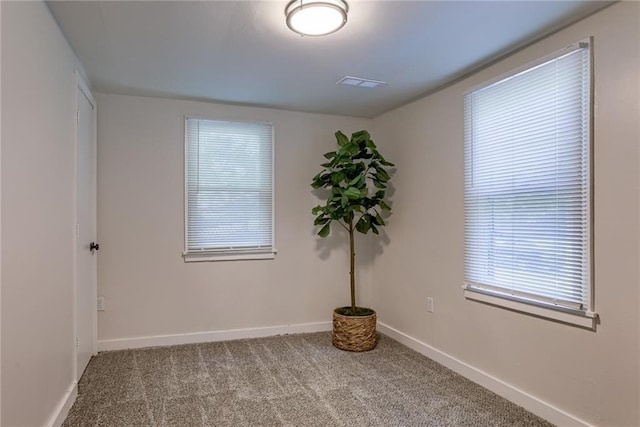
{"x": 501, "y": 388}
{"x": 62, "y": 409}
{"x": 211, "y": 336}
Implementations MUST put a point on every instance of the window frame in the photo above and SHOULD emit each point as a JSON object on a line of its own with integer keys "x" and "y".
{"x": 587, "y": 317}
{"x": 225, "y": 254}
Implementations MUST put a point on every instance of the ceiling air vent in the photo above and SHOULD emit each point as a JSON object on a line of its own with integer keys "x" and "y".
{"x": 359, "y": 81}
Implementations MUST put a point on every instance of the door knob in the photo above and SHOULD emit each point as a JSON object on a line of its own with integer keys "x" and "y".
{"x": 93, "y": 246}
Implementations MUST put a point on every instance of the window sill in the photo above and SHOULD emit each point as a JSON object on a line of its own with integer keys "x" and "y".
{"x": 227, "y": 256}
{"x": 586, "y": 319}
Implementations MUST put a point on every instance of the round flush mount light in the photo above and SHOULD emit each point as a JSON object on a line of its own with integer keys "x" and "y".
{"x": 316, "y": 17}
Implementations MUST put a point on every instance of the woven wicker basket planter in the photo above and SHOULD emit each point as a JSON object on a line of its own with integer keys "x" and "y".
{"x": 354, "y": 333}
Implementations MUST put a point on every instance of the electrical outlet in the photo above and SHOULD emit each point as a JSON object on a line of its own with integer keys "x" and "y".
{"x": 430, "y": 305}
{"x": 101, "y": 304}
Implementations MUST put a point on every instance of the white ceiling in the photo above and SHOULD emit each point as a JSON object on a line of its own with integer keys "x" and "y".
{"x": 242, "y": 51}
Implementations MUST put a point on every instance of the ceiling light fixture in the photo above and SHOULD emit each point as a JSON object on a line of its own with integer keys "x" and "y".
{"x": 316, "y": 17}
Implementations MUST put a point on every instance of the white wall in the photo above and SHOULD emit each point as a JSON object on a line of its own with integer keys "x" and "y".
{"x": 37, "y": 214}
{"x": 592, "y": 375}
{"x": 149, "y": 289}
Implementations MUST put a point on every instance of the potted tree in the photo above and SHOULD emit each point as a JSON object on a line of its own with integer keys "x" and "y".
{"x": 356, "y": 176}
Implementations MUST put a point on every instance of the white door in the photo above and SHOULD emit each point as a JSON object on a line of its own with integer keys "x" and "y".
{"x": 86, "y": 252}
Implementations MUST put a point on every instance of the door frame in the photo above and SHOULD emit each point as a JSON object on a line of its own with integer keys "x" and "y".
{"x": 80, "y": 87}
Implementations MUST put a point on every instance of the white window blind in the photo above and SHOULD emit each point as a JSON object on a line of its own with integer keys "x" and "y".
{"x": 527, "y": 185}
{"x": 228, "y": 187}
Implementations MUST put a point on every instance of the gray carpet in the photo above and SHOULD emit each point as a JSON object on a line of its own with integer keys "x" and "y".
{"x": 291, "y": 380}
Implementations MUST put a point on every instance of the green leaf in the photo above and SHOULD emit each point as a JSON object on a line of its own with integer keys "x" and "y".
{"x": 321, "y": 220}
{"x": 363, "y": 224}
{"x": 374, "y": 229}
{"x": 383, "y": 176}
{"x": 324, "y": 231}
{"x": 348, "y": 150}
{"x": 384, "y": 206}
{"x": 341, "y": 138}
{"x": 361, "y": 135}
{"x": 320, "y": 178}
{"x": 316, "y": 184}
{"x": 377, "y": 220}
{"x": 330, "y": 155}
{"x": 337, "y": 177}
{"x": 372, "y": 146}
{"x": 316, "y": 209}
{"x": 379, "y": 184}
{"x": 357, "y": 181}
{"x": 352, "y": 193}
{"x": 383, "y": 161}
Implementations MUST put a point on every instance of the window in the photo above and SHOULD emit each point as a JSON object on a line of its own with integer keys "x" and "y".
{"x": 228, "y": 190}
{"x": 528, "y": 189}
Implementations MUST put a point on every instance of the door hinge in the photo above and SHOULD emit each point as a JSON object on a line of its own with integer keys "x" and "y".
{"x": 77, "y": 341}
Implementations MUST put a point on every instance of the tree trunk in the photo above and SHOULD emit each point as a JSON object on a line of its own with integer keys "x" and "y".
{"x": 352, "y": 272}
